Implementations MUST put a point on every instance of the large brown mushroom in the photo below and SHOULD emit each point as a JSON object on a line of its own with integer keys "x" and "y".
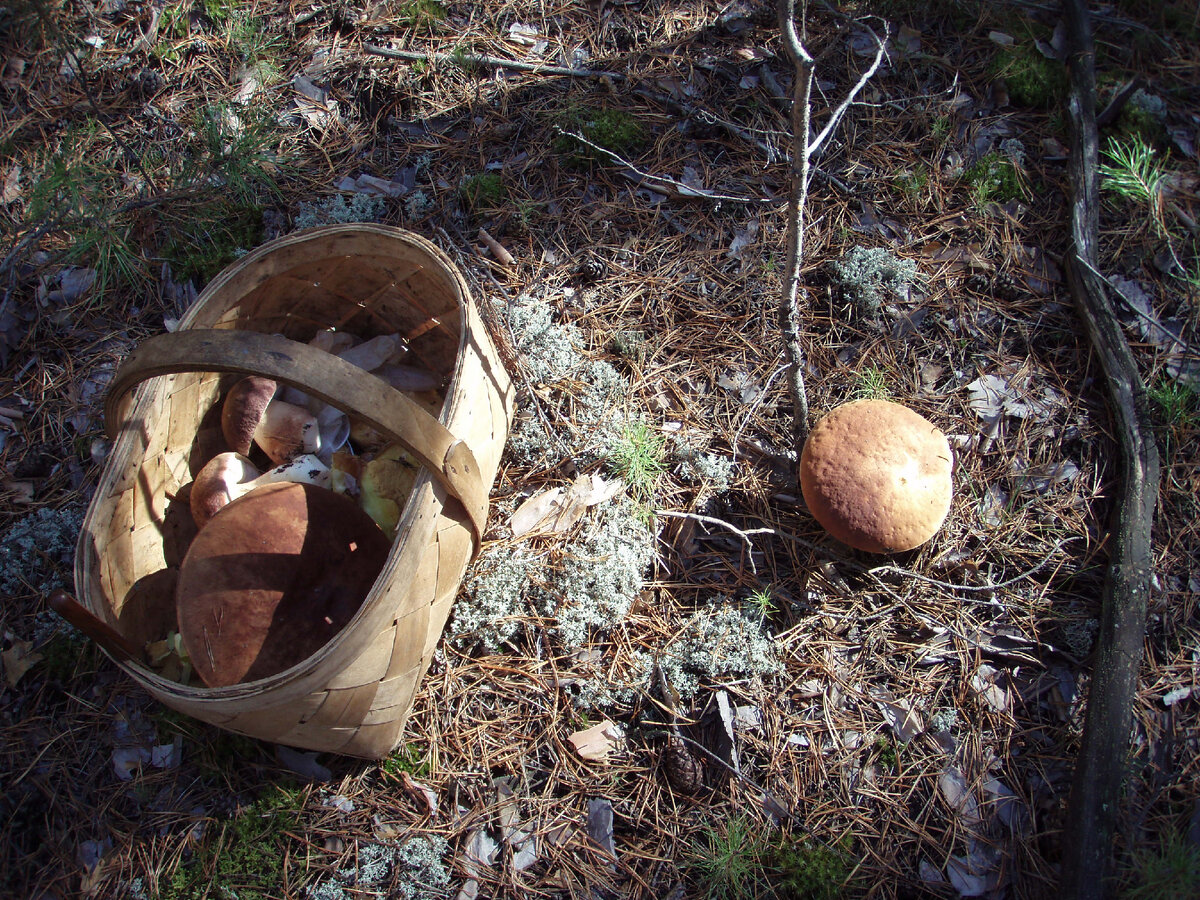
{"x": 251, "y": 414}
{"x": 877, "y": 476}
{"x": 272, "y": 578}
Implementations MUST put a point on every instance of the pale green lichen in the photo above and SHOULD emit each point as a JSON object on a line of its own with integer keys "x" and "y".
{"x": 417, "y": 205}
{"x": 720, "y": 642}
{"x": 336, "y": 210}
{"x": 549, "y": 351}
{"x": 587, "y": 592}
{"x": 37, "y": 552}
{"x": 412, "y": 870}
{"x": 695, "y": 467}
{"x": 585, "y": 391}
{"x": 944, "y": 719}
{"x": 868, "y": 276}
{"x": 496, "y": 595}
{"x": 600, "y": 576}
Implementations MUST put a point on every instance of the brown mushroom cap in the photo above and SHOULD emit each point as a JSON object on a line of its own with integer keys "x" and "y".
{"x": 219, "y": 483}
{"x": 244, "y": 406}
{"x": 272, "y": 578}
{"x": 876, "y": 475}
{"x": 283, "y": 430}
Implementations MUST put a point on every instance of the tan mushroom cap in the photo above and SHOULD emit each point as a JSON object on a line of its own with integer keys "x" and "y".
{"x": 877, "y": 476}
{"x": 272, "y": 578}
{"x": 252, "y": 415}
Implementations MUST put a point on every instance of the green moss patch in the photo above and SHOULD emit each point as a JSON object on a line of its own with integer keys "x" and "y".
{"x": 612, "y": 129}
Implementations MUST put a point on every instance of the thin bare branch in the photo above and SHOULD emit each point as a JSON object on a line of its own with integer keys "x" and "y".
{"x": 835, "y": 117}
{"x": 491, "y": 62}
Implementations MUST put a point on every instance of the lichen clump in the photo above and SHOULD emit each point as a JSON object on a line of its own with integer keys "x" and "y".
{"x": 709, "y": 470}
{"x": 601, "y": 576}
{"x": 412, "y": 870}
{"x": 496, "y": 595}
{"x": 582, "y": 390}
{"x": 37, "y": 552}
{"x": 868, "y": 276}
{"x": 337, "y": 210}
{"x": 549, "y": 351}
{"x": 588, "y": 591}
{"x": 720, "y": 642}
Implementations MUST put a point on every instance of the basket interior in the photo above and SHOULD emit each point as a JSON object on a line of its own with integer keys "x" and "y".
{"x": 365, "y": 284}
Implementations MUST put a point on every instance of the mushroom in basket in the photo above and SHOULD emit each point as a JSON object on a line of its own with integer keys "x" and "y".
{"x": 272, "y": 578}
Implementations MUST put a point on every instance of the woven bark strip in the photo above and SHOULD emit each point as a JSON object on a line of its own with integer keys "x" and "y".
{"x": 353, "y": 695}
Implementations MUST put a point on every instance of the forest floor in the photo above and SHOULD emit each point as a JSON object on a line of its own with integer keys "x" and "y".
{"x": 883, "y": 726}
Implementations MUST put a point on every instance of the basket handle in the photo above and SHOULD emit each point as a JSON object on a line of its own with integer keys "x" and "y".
{"x": 319, "y": 374}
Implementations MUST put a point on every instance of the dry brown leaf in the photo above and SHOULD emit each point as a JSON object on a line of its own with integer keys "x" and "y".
{"x": 905, "y": 722}
{"x": 551, "y": 511}
{"x": 559, "y": 508}
{"x": 19, "y": 659}
{"x": 595, "y": 743}
{"x": 422, "y": 793}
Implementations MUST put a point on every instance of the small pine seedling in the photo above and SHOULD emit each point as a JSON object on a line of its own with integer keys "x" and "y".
{"x": 1133, "y": 172}
{"x": 639, "y": 456}
{"x": 727, "y": 861}
{"x": 1169, "y": 872}
{"x": 870, "y": 383}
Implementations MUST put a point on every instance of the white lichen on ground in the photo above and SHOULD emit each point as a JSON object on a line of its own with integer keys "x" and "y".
{"x": 549, "y": 351}
{"x": 496, "y": 596}
{"x": 412, "y": 870}
{"x": 720, "y": 642}
{"x": 336, "y": 210}
{"x": 944, "y": 719}
{"x": 599, "y": 576}
{"x": 697, "y": 468}
{"x": 588, "y": 590}
{"x": 867, "y": 276}
{"x": 582, "y": 402}
{"x": 37, "y": 552}
{"x": 585, "y": 588}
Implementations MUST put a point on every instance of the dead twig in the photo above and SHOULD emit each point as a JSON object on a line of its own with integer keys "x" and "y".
{"x": 972, "y": 588}
{"x": 1101, "y": 769}
{"x": 491, "y": 62}
{"x": 709, "y": 520}
{"x": 663, "y": 184}
{"x": 804, "y": 148}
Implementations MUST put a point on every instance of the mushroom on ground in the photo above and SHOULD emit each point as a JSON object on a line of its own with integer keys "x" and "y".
{"x": 877, "y": 476}
{"x": 252, "y": 415}
{"x": 229, "y": 475}
{"x": 273, "y": 579}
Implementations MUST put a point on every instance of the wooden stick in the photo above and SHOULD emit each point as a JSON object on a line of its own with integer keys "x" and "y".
{"x": 94, "y": 627}
{"x": 1100, "y": 771}
{"x": 805, "y": 147}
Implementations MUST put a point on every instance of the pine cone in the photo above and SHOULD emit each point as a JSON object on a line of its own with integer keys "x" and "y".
{"x": 1006, "y": 287}
{"x": 685, "y": 772}
{"x": 590, "y": 270}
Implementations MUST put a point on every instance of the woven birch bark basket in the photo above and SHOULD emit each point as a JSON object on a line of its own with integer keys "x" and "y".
{"x": 163, "y": 415}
